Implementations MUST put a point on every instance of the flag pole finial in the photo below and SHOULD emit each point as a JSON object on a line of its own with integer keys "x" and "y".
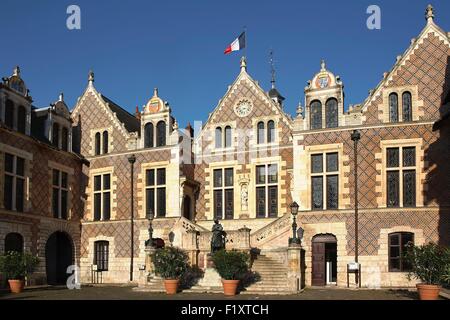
{"x": 243, "y": 63}
{"x": 272, "y": 69}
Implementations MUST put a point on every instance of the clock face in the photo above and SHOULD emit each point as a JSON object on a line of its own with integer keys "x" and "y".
{"x": 243, "y": 108}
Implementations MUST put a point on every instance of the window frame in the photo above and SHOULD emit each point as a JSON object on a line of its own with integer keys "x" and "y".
{"x": 324, "y": 174}
{"x": 402, "y": 247}
{"x": 102, "y": 191}
{"x": 15, "y": 176}
{"x": 223, "y": 189}
{"x": 328, "y": 123}
{"x": 267, "y": 185}
{"x": 401, "y": 169}
{"x": 60, "y": 190}
{"x": 155, "y": 187}
{"x": 161, "y": 139}
{"x": 313, "y": 125}
{"x": 103, "y": 245}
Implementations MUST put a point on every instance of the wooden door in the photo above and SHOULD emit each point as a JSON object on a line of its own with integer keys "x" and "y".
{"x": 318, "y": 264}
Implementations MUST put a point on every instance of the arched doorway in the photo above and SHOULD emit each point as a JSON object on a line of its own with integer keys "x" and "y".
{"x": 187, "y": 207}
{"x": 58, "y": 256}
{"x": 324, "y": 260}
{"x": 14, "y": 242}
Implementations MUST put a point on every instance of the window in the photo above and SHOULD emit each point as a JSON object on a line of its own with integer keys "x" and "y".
{"x": 14, "y": 242}
{"x": 397, "y": 248}
{"x": 267, "y": 191}
{"x": 401, "y": 176}
{"x": 55, "y": 135}
{"x": 260, "y": 133}
{"x": 218, "y": 137}
{"x": 227, "y": 136}
{"x": 102, "y": 197}
{"x": 14, "y": 185}
{"x": 393, "y": 107}
{"x": 331, "y": 113}
{"x": 101, "y": 254}
{"x": 155, "y": 192}
{"x": 325, "y": 181}
{"x": 407, "y": 106}
{"x": 223, "y": 193}
{"x": 60, "y": 194}
{"x": 316, "y": 115}
{"x": 161, "y": 134}
{"x": 21, "y": 119}
{"x": 270, "y": 131}
{"x": 65, "y": 139}
{"x": 9, "y": 114}
{"x": 148, "y": 135}
{"x": 105, "y": 141}
{"x": 97, "y": 143}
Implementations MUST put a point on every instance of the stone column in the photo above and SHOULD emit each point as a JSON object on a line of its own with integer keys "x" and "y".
{"x": 244, "y": 239}
{"x": 190, "y": 241}
{"x": 294, "y": 267}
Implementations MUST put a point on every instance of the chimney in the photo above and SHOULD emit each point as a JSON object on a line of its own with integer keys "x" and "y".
{"x": 137, "y": 114}
{"x": 190, "y": 129}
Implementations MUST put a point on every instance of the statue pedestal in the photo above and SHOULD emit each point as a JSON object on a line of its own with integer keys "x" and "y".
{"x": 211, "y": 281}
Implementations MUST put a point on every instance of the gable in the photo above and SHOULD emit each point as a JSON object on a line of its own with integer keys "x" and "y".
{"x": 245, "y": 89}
{"x": 424, "y": 67}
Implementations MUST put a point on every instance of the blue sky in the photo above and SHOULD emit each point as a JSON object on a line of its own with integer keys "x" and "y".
{"x": 177, "y": 46}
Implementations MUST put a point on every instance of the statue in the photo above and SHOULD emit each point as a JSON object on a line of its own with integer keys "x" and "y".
{"x": 244, "y": 198}
{"x": 218, "y": 237}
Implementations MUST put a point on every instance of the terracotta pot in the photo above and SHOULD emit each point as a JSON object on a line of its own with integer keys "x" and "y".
{"x": 428, "y": 291}
{"x": 16, "y": 286}
{"x": 171, "y": 286}
{"x": 230, "y": 287}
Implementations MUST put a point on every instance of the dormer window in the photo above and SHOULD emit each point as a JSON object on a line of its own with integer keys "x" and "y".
{"x": 55, "y": 135}
{"x": 148, "y": 135}
{"x": 331, "y": 113}
{"x": 218, "y": 137}
{"x": 393, "y": 107}
{"x": 316, "y": 115}
{"x": 21, "y": 119}
{"x": 9, "y": 114}
{"x": 227, "y": 136}
{"x": 101, "y": 140}
{"x": 270, "y": 131}
{"x": 407, "y": 106}
{"x": 105, "y": 141}
{"x": 260, "y": 133}
{"x": 161, "y": 134}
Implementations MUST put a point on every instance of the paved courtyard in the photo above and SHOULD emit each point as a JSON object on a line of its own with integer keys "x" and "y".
{"x": 127, "y": 293}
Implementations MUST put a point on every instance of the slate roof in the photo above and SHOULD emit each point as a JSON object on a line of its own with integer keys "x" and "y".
{"x": 131, "y": 123}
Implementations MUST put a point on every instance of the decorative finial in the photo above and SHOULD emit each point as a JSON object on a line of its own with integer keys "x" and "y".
{"x": 322, "y": 65}
{"x": 16, "y": 71}
{"x": 61, "y": 97}
{"x": 272, "y": 69}
{"x": 175, "y": 125}
{"x": 429, "y": 14}
{"x": 155, "y": 92}
{"x": 243, "y": 64}
{"x": 299, "y": 109}
{"x": 91, "y": 77}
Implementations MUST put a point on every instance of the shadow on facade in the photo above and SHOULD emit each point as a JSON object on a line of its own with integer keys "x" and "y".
{"x": 438, "y": 157}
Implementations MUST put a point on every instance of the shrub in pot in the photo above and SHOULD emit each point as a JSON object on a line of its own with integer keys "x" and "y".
{"x": 429, "y": 263}
{"x": 231, "y": 266}
{"x": 15, "y": 267}
{"x": 171, "y": 263}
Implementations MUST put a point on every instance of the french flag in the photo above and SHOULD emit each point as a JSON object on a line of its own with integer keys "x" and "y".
{"x": 237, "y": 44}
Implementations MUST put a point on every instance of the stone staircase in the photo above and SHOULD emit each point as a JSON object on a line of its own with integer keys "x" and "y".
{"x": 273, "y": 277}
{"x": 153, "y": 284}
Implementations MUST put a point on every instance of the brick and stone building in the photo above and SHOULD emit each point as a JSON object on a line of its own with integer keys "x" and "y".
{"x": 246, "y": 165}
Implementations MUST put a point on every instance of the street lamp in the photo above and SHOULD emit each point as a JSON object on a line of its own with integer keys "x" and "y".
{"x": 132, "y": 160}
{"x": 294, "y": 211}
{"x": 356, "y": 136}
{"x": 149, "y": 243}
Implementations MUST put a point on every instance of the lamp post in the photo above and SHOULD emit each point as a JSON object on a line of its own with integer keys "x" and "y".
{"x": 356, "y": 136}
{"x": 132, "y": 160}
{"x": 294, "y": 211}
{"x": 150, "y": 217}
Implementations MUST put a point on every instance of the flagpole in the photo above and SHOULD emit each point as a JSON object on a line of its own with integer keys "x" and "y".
{"x": 245, "y": 52}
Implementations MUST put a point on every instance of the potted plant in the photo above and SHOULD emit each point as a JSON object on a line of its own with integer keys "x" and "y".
{"x": 429, "y": 263}
{"x": 231, "y": 266}
{"x": 16, "y": 266}
{"x": 170, "y": 263}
